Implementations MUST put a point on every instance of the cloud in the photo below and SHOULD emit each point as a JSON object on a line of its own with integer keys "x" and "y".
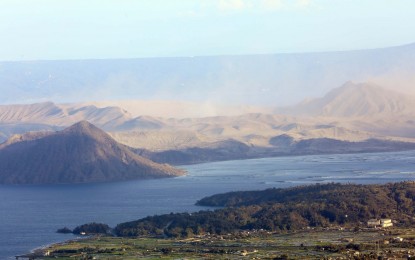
{"x": 234, "y": 5}
{"x": 262, "y": 5}
{"x": 190, "y": 13}
{"x": 304, "y": 4}
{"x": 272, "y": 4}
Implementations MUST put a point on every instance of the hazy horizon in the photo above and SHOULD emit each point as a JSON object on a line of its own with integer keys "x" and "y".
{"x": 104, "y": 103}
{"x": 234, "y": 52}
{"x": 273, "y": 80}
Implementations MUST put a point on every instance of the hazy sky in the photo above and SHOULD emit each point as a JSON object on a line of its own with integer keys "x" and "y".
{"x": 78, "y": 29}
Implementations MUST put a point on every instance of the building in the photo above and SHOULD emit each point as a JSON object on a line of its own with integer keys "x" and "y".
{"x": 386, "y": 222}
{"x": 373, "y": 223}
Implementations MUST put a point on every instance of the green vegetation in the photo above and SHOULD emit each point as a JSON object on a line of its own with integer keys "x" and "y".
{"x": 64, "y": 230}
{"x": 308, "y": 244}
{"x": 284, "y": 210}
{"x": 92, "y": 228}
{"x": 316, "y": 221}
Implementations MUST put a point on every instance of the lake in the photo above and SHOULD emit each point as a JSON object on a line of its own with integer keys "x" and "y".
{"x": 30, "y": 214}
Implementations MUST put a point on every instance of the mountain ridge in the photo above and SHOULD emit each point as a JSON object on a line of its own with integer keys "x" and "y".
{"x": 79, "y": 154}
{"x": 356, "y": 100}
{"x": 353, "y": 112}
{"x": 201, "y": 78}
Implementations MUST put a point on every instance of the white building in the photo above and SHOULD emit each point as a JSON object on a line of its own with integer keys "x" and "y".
{"x": 386, "y": 222}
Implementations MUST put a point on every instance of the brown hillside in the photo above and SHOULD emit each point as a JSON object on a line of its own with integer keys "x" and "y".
{"x": 78, "y": 154}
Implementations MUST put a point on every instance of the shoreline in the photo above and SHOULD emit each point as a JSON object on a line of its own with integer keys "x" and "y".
{"x": 67, "y": 239}
{"x": 41, "y": 251}
{"x": 336, "y": 242}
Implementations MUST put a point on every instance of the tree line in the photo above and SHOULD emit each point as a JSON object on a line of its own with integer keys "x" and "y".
{"x": 319, "y": 205}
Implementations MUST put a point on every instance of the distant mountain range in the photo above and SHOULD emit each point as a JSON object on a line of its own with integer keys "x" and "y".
{"x": 272, "y": 79}
{"x": 354, "y": 111}
{"x": 185, "y": 124}
{"x": 63, "y": 115}
{"x": 356, "y": 117}
{"x": 78, "y": 154}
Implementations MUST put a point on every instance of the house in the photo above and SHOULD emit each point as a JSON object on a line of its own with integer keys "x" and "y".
{"x": 373, "y": 222}
{"x": 386, "y": 222}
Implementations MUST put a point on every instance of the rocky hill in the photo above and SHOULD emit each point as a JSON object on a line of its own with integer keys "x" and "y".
{"x": 355, "y": 117}
{"x": 78, "y": 154}
{"x": 356, "y": 100}
{"x": 63, "y": 115}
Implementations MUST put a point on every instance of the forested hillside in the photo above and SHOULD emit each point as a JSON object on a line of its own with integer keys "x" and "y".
{"x": 285, "y": 209}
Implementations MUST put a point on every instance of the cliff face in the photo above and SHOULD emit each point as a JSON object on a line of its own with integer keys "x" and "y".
{"x": 78, "y": 154}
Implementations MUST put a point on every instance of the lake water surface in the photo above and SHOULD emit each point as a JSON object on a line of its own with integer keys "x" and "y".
{"x": 30, "y": 214}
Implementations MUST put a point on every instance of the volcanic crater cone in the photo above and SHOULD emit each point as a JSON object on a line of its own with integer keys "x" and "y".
{"x": 80, "y": 153}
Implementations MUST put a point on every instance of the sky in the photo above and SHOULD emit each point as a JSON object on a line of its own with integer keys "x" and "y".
{"x": 106, "y": 29}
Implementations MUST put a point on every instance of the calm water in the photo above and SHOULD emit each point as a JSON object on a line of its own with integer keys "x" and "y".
{"x": 30, "y": 215}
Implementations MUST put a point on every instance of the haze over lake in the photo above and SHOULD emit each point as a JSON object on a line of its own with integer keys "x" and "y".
{"x": 31, "y": 214}
{"x": 194, "y": 85}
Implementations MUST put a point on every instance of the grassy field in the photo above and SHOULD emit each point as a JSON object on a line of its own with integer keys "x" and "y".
{"x": 333, "y": 243}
